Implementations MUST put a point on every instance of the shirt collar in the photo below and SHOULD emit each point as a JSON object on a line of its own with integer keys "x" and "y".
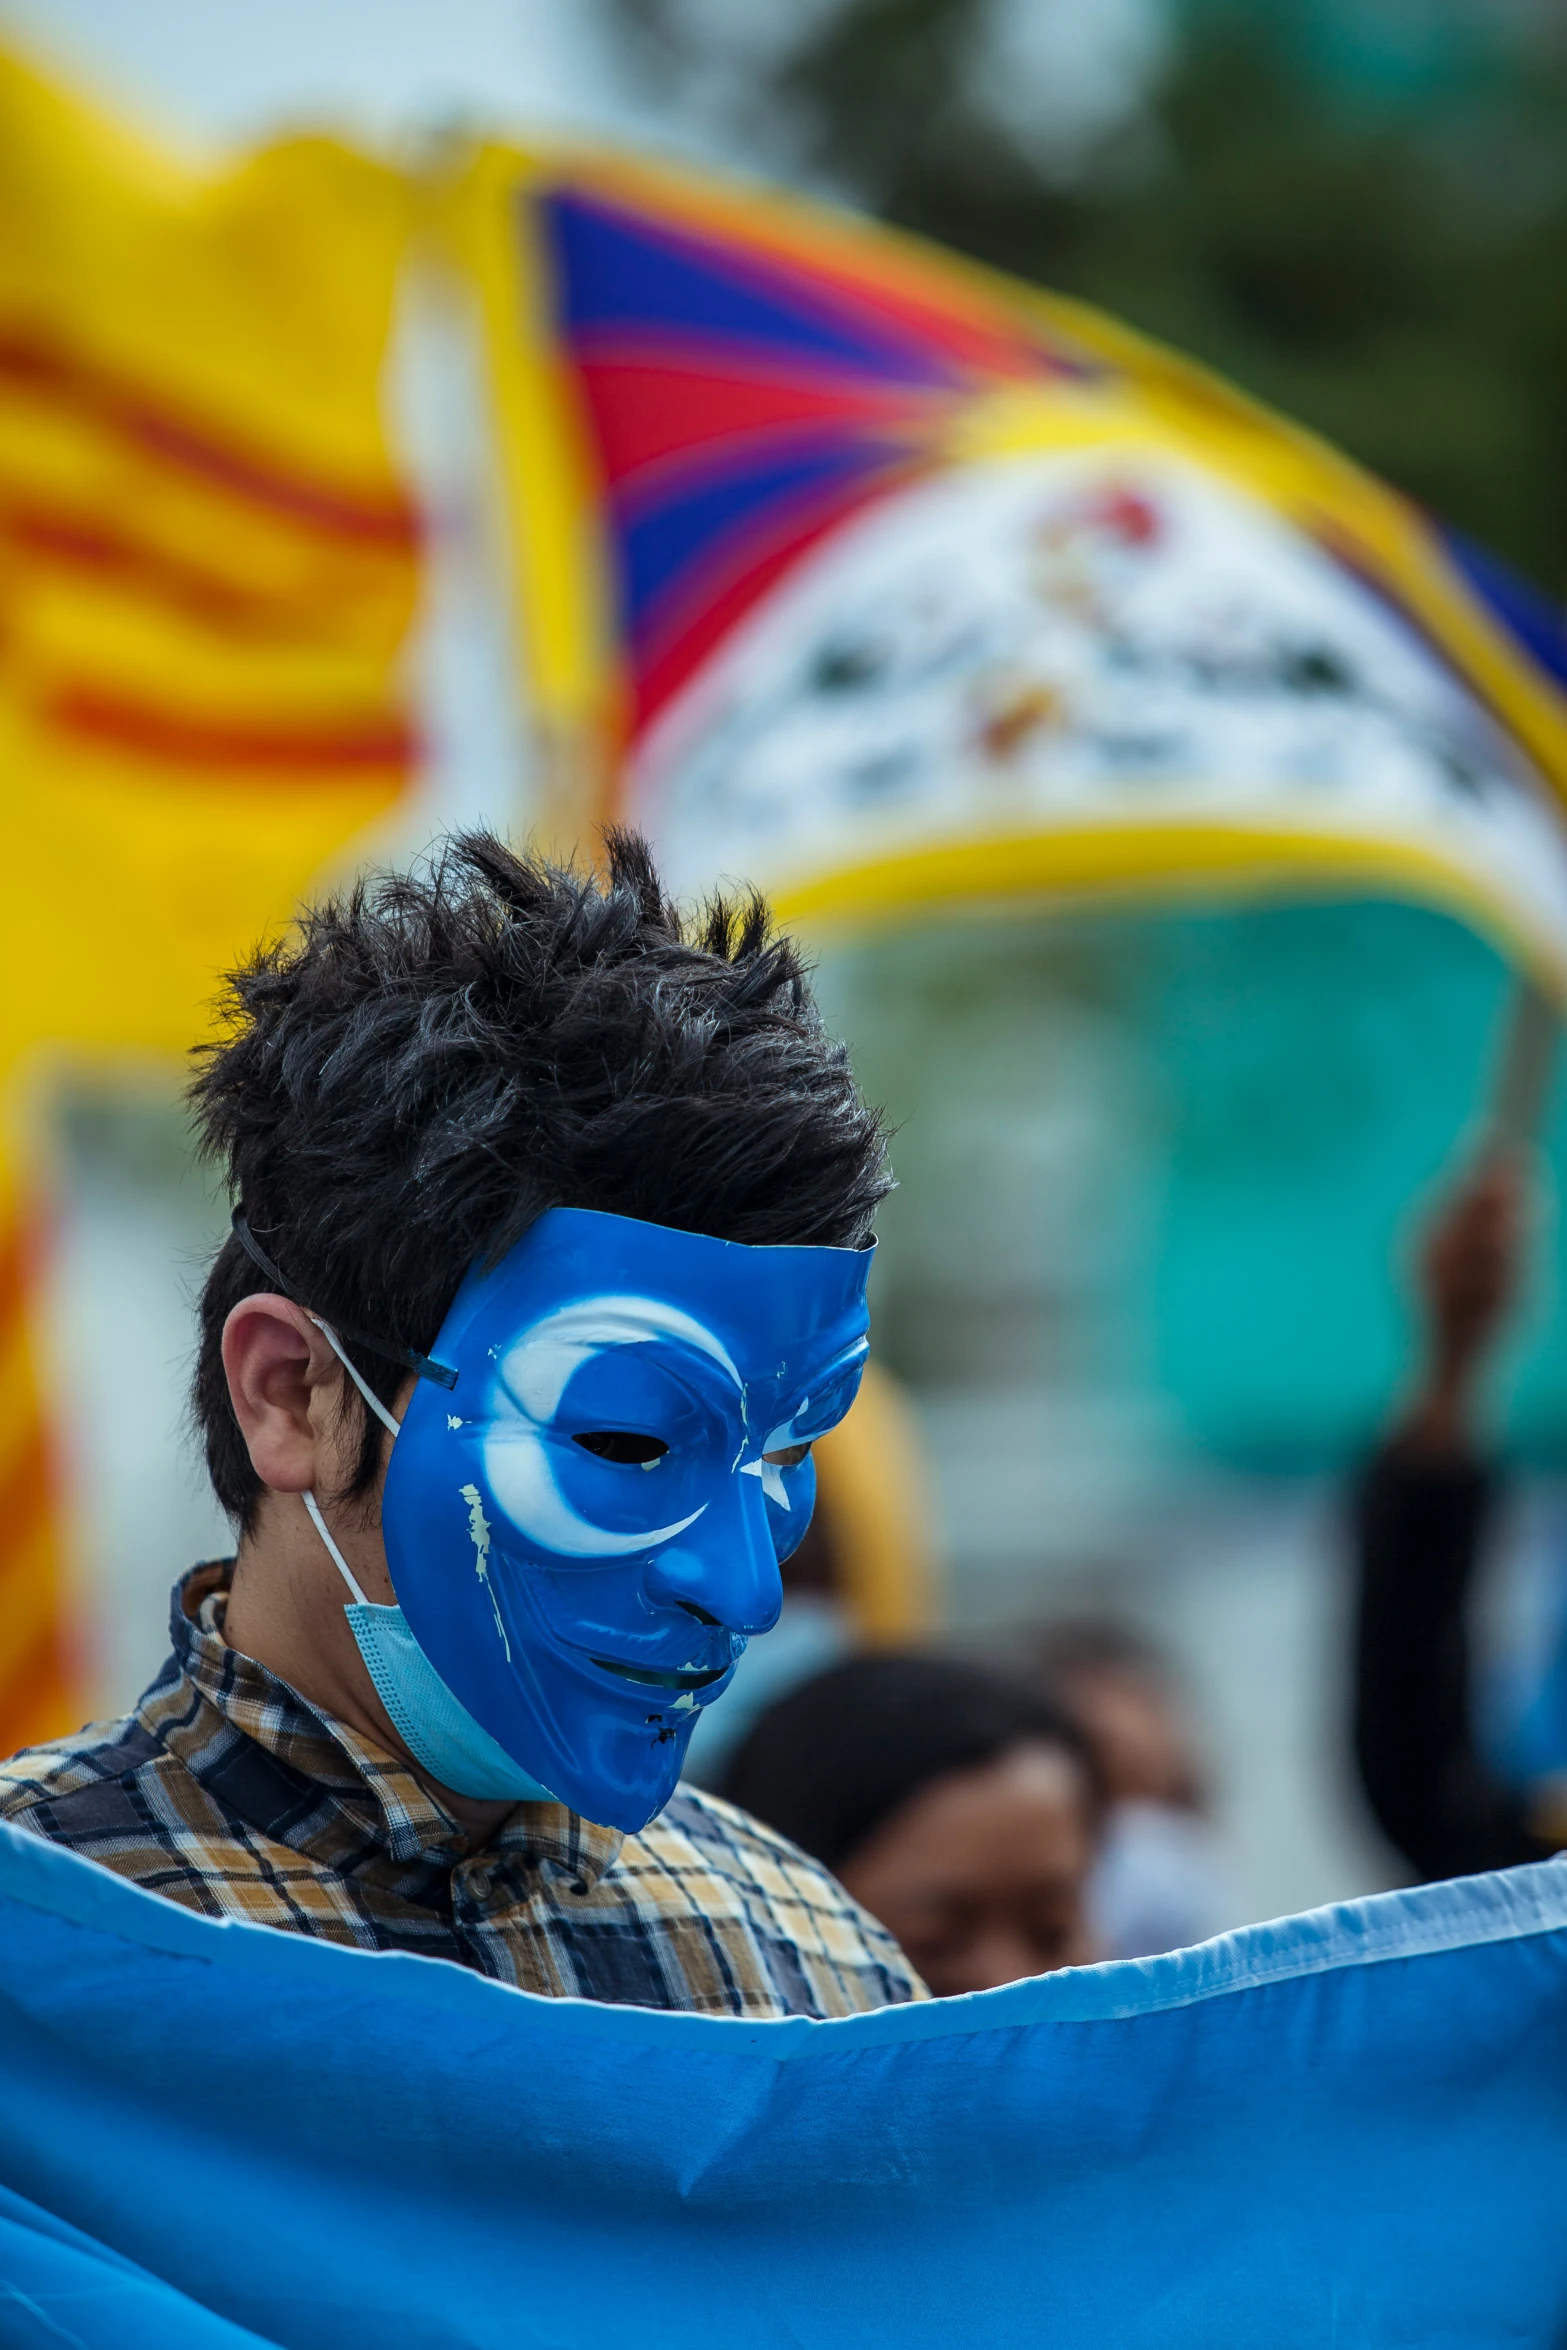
{"x": 384, "y": 1796}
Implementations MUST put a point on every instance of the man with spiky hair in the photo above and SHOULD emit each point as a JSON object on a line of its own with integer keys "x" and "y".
{"x": 551, "y": 1227}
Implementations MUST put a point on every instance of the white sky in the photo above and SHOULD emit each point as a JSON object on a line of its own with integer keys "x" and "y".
{"x": 226, "y": 70}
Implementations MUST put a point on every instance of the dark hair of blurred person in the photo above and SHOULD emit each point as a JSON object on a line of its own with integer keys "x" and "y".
{"x": 1423, "y": 1511}
{"x": 956, "y": 1805}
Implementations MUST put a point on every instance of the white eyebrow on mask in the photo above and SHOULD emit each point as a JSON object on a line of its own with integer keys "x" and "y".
{"x": 822, "y": 1391}
{"x": 538, "y": 1367}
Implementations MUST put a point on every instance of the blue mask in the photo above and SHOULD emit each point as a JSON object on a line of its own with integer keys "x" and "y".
{"x": 585, "y": 1529}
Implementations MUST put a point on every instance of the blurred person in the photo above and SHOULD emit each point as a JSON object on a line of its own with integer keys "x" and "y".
{"x": 1424, "y": 1509}
{"x": 957, "y": 1806}
{"x": 1160, "y": 1881}
{"x": 548, "y": 1264}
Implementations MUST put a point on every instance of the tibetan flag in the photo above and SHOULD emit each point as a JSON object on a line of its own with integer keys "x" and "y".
{"x": 893, "y": 584}
{"x": 1343, "y": 2128}
{"x": 1056, "y": 691}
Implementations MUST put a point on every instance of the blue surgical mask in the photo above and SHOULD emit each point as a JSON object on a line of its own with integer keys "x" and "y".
{"x": 585, "y": 1528}
{"x": 435, "y": 1728}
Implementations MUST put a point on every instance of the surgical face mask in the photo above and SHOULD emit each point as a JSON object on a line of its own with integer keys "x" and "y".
{"x": 585, "y": 1526}
{"x": 435, "y": 1728}
{"x": 1159, "y": 1883}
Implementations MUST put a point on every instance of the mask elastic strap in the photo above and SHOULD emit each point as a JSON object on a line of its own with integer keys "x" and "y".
{"x": 408, "y": 1356}
{"x": 386, "y": 1420}
{"x": 337, "y": 1558}
{"x": 363, "y": 1385}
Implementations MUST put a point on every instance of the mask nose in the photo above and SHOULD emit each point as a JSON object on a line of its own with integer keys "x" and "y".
{"x": 725, "y": 1570}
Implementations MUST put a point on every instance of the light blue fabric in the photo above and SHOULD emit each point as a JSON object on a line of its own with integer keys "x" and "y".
{"x": 57, "y": 2287}
{"x": 437, "y": 1731}
{"x": 1348, "y": 2129}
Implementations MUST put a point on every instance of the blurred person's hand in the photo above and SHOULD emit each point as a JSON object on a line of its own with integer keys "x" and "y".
{"x": 1468, "y": 1278}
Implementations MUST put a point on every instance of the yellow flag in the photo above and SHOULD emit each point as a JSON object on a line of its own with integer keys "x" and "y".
{"x": 208, "y": 567}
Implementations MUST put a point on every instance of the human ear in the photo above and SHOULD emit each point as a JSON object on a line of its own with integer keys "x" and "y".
{"x": 278, "y": 1366}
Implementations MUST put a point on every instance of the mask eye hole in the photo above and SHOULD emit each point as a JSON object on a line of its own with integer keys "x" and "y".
{"x": 624, "y": 1446}
{"x": 788, "y": 1456}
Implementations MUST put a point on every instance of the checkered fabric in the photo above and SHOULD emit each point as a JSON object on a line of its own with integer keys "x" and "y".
{"x": 225, "y": 1791}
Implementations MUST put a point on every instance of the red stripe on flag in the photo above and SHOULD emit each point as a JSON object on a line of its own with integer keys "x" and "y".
{"x": 649, "y": 406}
{"x": 174, "y": 738}
{"x": 112, "y": 557}
{"x": 48, "y": 372}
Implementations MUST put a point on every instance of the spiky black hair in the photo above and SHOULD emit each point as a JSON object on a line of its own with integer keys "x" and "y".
{"x": 428, "y": 1062}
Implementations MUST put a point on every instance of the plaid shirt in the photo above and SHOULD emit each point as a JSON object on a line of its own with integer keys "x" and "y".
{"x": 225, "y": 1791}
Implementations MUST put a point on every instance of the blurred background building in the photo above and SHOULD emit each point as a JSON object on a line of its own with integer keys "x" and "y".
{"x": 1142, "y": 1281}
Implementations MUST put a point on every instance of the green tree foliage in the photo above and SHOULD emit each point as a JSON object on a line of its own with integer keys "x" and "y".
{"x": 1388, "y": 267}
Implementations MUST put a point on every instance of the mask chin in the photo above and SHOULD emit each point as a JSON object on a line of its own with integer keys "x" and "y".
{"x": 612, "y": 1746}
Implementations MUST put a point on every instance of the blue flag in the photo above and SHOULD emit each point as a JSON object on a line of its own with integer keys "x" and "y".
{"x": 1348, "y": 2128}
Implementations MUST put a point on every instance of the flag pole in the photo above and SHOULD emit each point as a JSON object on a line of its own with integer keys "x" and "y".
{"x": 1519, "y": 1096}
